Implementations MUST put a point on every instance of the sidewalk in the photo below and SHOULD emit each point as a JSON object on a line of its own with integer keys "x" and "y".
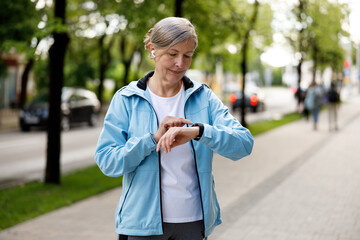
{"x": 9, "y": 119}
{"x": 297, "y": 184}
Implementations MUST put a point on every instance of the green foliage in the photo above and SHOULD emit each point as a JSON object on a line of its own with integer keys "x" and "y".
{"x": 2, "y": 67}
{"x": 319, "y": 31}
{"x": 277, "y": 77}
{"x": 18, "y": 20}
{"x": 81, "y": 65}
{"x": 219, "y": 23}
{"x": 116, "y": 71}
{"x": 42, "y": 75}
{"x": 18, "y": 25}
{"x": 21, "y": 203}
{"x": 325, "y": 32}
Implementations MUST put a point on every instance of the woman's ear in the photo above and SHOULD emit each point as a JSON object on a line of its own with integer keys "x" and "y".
{"x": 151, "y": 50}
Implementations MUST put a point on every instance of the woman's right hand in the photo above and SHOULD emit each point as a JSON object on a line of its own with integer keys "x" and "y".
{"x": 167, "y": 123}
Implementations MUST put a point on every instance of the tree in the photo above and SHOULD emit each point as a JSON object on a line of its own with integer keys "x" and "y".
{"x": 104, "y": 62}
{"x": 19, "y": 20}
{"x": 319, "y": 28}
{"x": 140, "y": 17}
{"x": 302, "y": 45}
{"x": 103, "y": 14}
{"x": 56, "y": 62}
{"x": 243, "y": 25}
{"x": 244, "y": 63}
{"x": 325, "y": 32}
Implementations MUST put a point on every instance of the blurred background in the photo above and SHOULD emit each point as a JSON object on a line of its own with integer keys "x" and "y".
{"x": 272, "y": 43}
{"x": 61, "y": 61}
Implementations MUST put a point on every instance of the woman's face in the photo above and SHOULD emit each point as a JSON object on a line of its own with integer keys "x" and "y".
{"x": 172, "y": 63}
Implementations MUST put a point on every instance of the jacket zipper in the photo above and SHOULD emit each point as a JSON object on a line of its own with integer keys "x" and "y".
{"x": 198, "y": 178}
{"x": 160, "y": 191}
{"x": 197, "y": 172}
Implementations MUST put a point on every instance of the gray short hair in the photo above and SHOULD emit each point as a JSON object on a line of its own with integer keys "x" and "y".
{"x": 169, "y": 32}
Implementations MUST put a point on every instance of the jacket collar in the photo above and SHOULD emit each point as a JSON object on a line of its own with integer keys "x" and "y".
{"x": 142, "y": 83}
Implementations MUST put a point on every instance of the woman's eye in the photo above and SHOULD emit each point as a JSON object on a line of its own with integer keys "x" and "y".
{"x": 172, "y": 54}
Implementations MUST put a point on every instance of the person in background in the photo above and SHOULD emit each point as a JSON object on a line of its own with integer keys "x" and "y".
{"x": 333, "y": 97}
{"x": 300, "y": 96}
{"x": 160, "y": 134}
{"x": 314, "y": 101}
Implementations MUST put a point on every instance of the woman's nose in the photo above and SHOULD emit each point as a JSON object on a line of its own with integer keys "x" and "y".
{"x": 180, "y": 61}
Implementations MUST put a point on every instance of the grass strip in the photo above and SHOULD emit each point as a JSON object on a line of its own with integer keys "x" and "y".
{"x": 257, "y": 128}
{"x": 30, "y": 200}
{"x": 24, "y": 202}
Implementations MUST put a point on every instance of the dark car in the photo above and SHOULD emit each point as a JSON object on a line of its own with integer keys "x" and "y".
{"x": 253, "y": 102}
{"x": 77, "y": 105}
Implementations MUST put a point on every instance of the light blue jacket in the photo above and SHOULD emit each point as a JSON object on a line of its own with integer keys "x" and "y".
{"x": 126, "y": 147}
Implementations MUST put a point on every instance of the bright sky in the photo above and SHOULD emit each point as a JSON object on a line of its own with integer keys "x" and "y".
{"x": 355, "y": 20}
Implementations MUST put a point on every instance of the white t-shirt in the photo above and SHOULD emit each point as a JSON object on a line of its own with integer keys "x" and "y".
{"x": 179, "y": 183}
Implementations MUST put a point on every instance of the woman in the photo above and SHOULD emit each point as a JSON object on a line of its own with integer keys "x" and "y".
{"x": 160, "y": 133}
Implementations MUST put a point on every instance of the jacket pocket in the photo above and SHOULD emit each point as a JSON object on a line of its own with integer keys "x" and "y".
{"x": 141, "y": 207}
{"x": 127, "y": 182}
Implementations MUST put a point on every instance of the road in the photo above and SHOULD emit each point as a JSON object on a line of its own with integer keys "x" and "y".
{"x": 278, "y": 101}
{"x": 22, "y": 155}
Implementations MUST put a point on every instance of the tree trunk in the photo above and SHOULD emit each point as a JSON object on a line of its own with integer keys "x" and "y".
{"x": 298, "y": 69}
{"x": 101, "y": 69}
{"x": 302, "y": 6}
{"x": 104, "y": 61}
{"x": 315, "y": 61}
{"x": 24, "y": 82}
{"x": 57, "y": 59}
{"x": 243, "y": 64}
{"x": 127, "y": 64}
{"x": 126, "y": 61}
{"x": 179, "y": 8}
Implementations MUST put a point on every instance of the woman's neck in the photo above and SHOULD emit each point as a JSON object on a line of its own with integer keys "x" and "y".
{"x": 163, "y": 88}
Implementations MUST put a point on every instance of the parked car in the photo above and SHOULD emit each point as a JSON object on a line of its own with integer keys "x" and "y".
{"x": 253, "y": 102}
{"x": 77, "y": 105}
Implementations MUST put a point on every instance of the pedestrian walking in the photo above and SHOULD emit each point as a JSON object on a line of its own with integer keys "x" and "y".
{"x": 300, "y": 96}
{"x": 333, "y": 97}
{"x": 314, "y": 102}
{"x": 160, "y": 134}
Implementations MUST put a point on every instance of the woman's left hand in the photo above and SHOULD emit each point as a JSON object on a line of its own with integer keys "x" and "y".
{"x": 176, "y": 136}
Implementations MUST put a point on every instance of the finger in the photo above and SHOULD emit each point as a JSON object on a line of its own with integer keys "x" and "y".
{"x": 187, "y": 122}
{"x": 170, "y": 143}
{"x": 182, "y": 122}
{"x": 167, "y": 144}
{"x": 160, "y": 145}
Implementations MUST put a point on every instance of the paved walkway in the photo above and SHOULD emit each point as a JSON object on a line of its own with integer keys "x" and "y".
{"x": 297, "y": 184}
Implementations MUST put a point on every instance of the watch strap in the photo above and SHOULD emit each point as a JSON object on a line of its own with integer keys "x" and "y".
{"x": 201, "y": 130}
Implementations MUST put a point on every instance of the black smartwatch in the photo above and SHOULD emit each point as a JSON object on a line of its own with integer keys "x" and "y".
{"x": 201, "y": 130}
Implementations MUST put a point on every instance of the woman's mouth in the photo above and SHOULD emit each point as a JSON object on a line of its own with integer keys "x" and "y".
{"x": 176, "y": 72}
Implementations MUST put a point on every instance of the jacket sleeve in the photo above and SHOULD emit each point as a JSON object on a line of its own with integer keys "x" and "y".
{"x": 116, "y": 153}
{"x": 224, "y": 134}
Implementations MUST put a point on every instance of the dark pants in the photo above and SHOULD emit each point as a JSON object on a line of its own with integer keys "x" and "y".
{"x": 175, "y": 231}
